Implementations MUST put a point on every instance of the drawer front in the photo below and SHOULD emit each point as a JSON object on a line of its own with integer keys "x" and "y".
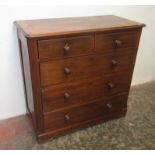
{"x": 72, "y": 116}
{"x": 76, "y": 93}
{"x": 54, "y": 72}
{"x": 65, "y": 47}
{"x": 116, "y": 41}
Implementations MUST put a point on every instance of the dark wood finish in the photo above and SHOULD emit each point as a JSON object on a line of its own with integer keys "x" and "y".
{"x": 65, "y": 70}
{"x": 66, "y": 47}
{"x": 115, "y": 41}
{"x": 46, "y": 135}
{"x": 70, "y": 116}
{"x": 66, "y": 26}
{"x": 32, "y": 81}
{"x": 35, "y": 76}
{"x": 25, "y": 64}
{"x": 77, "y": 71}
{"x": 84, "y": 91}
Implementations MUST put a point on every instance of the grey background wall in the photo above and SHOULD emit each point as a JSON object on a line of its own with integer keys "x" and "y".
{"x": 12, "y": 101}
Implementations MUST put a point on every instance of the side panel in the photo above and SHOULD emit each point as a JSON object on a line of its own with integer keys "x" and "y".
{"x": 25, "y": 64}
{"x": 28, "y": 51}
{"x": 35, "y": 76}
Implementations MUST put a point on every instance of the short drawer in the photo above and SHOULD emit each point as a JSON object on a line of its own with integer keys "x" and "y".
{"x": 72, "y": 116}
{"x": 116, "y": 41}
{"x": 59, "y": 71}
{"x": 77, "y": 93}
{"x": 66, "y": 47}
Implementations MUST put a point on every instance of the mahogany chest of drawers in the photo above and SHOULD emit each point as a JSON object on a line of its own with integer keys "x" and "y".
{"x": 77, "y": 71}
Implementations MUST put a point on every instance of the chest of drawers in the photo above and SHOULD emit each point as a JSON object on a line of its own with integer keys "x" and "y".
{"x": 77, "y": 71}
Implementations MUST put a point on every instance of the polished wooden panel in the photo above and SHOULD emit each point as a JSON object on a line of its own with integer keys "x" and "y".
{"x": 81, "y": 125}
{"x": 32, "y": 80}
{"x": 54, "y": 72}
{"x": 63, "y": 26}
{"x": 115, "y": 41}
{"x": 66, "y": 47}
{"x": 77, "y": 71}
{"x": 84, "y": 91}
{"x": 57, "y": 120}
{"x": 25, "y": 62}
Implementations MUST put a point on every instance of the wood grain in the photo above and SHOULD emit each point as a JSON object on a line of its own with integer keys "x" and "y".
{"x": 77, "y": 71}
{"x": 56, "y": 120}
{"x": 78, "y": 126}
{"x": 63, "y": 26}
{"x": 84, "y": 91}
{"x": 52, "y": 72}
{"x": 106, "y": 42}
{"x": 54, "y": 48}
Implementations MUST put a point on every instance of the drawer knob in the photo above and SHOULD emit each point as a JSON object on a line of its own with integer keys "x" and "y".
{"x": 66, "y": 48}
{"x": 66, "y": 117}
{"x": 67, "y": 70}
{"x": 118, "y": 43}
{"x": 109, "y": 106}
{"x": 114, "y": 63}
{"x": 111, "y": 85}
{"x": 66, "y": 96}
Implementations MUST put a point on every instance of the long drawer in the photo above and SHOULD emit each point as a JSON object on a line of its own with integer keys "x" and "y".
{"x": 72, "y": 116}
{"x": 75, "y": 93}
{"x": 59, "y": 71}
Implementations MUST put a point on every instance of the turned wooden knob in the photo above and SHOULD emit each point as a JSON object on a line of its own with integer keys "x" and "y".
{"x": 66, "y": 96}
{"x": 66, "y": 48}
{"x": 66, "y": 117}
{"x": 114, "y": 63}
{"x": 109, "y": 106}
{"x": 111, "y": 85}
{"x": 67, "y": 70}
{"x": 118, "y": 43}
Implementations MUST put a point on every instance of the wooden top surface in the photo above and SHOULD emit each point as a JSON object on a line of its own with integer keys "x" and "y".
{"x": 62, "y": 26}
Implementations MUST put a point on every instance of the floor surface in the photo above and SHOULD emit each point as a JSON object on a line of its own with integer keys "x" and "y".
{"x": 134, "y": 131}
